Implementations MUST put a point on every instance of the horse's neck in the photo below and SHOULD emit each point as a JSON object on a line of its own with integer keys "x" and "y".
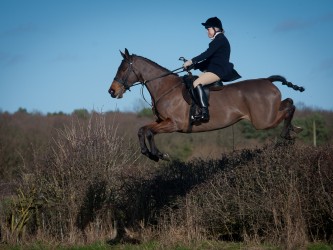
{"x": 155, "y": 77}
{"x": 149, "y": 69}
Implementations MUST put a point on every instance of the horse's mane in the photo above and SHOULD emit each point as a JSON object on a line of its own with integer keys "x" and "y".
{"x": 154, "y": 63}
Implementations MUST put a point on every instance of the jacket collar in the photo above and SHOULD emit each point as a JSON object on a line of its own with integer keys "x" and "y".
{"x": 219, "y": 32}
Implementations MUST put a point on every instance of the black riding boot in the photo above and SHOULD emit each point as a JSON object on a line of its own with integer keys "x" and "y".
{"x": 195, "y": 116}
{"x": 203, "y": 103}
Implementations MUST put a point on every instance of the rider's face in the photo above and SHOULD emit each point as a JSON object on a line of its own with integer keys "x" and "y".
{"x": 210, "y": 32}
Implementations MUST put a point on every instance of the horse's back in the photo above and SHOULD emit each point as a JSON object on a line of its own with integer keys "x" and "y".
{"x": 251, "y": 99}
{"x": 253, "y": 85}
{"x": 248, "y": 92}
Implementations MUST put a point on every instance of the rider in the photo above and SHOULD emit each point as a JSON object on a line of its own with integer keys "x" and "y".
{"x": 214, "y": 63}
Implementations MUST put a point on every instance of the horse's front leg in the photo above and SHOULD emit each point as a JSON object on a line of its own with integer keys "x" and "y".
{"x": 153, "y": 149}
{"x": 142, "y": 140}
{"x": 148, "y": 132}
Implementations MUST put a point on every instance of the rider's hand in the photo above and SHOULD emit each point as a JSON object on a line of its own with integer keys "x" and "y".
{"x": 187, "y": 64}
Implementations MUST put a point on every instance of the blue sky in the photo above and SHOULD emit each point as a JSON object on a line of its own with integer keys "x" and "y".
{"x": 62, "y": 55}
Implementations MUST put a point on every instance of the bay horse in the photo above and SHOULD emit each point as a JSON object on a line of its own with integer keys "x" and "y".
{"x": 257, "y": 100}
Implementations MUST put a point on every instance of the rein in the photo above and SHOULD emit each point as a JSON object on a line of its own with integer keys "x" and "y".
{"x": 166, "y": 74}
{"x": 155, "y": 78}
{"x": 143, "y": 83}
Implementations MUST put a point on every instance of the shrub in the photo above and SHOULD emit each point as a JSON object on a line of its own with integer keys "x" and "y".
{"x": 71, "y": 193}
{"x": 281, "y": 195}
{"x": 91, "y": 180}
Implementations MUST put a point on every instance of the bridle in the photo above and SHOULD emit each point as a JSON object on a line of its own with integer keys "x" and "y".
{"x": 130, "y": 69}
{"x": 124, "y": 82}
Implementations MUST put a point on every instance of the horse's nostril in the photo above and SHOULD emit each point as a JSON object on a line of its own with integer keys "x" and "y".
{"x": 112, "y": 93}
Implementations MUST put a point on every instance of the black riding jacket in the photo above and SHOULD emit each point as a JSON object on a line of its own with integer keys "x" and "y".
{"x": 216, "y": 59}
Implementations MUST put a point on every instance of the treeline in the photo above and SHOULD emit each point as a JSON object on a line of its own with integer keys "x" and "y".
{"x": 79, "y": 178}
{"x": 23, "y": 134}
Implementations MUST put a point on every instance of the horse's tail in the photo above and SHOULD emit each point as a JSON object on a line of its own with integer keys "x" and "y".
{"x": 285, "y": 82}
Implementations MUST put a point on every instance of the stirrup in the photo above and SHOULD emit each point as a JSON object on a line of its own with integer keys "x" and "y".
{"x": 204, "y": 115}
{"x": 201, "y": 117}
{"x": 196, "y": 115}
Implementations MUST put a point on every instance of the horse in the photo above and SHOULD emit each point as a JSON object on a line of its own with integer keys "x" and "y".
{"x": 256, "y": 100}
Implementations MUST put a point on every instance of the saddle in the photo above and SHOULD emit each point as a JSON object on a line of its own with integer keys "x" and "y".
{"x": 188, "y": 94}
{"x": 188, "y": 88}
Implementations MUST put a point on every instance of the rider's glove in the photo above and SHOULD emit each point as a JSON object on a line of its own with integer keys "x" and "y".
{"x": 187, "y": 64}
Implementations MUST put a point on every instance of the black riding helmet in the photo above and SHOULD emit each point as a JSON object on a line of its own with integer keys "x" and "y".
{"x": 213, "y": 22}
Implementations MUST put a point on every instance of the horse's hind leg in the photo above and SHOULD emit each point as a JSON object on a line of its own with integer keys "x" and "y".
{"x": 288, "y": 106}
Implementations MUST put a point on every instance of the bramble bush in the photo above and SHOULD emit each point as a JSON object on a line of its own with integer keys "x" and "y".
{"x": 69, "y": 194}
{"x": 282, "y": 195}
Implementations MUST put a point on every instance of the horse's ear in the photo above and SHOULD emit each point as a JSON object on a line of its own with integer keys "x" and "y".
{"x": 126, "y": 52}
{"x": 122, "y": 54}
{"x": 125, "y": 55}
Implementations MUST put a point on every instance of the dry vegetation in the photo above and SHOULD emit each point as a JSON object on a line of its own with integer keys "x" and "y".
{"x": 78, "y": 179}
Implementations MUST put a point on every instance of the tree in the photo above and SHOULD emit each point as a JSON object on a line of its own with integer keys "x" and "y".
{"x": 81, "y": 113}
{"x": 307, "y": 123}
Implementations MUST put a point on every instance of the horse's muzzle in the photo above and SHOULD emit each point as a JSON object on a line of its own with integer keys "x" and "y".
{"x": 116, "y": 94}
{"x": 111, "y": 92}
{"x": 116, "y": 90}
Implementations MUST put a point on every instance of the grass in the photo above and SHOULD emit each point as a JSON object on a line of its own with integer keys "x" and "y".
{"x": 320, "y": 246}
{"x": 153, "y": 245}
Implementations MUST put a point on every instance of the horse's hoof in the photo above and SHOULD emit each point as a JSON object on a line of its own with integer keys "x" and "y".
{"x": 290, "y": 136}
{"x": 297, "y": 129}
{"x": 150, "y": 155}
{"x": 293, "y": 135}
{"x": 165, "y": 157}
{"x": 154, "y": 158}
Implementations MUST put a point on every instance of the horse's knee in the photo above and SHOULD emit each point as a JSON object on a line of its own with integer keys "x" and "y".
{"x": 141, "y": 135}
{"x": 288, "y": 108}
{"x": 140, "y": 131}
{"x": 291, "y": 101}
{"x": 149, "y": 135}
